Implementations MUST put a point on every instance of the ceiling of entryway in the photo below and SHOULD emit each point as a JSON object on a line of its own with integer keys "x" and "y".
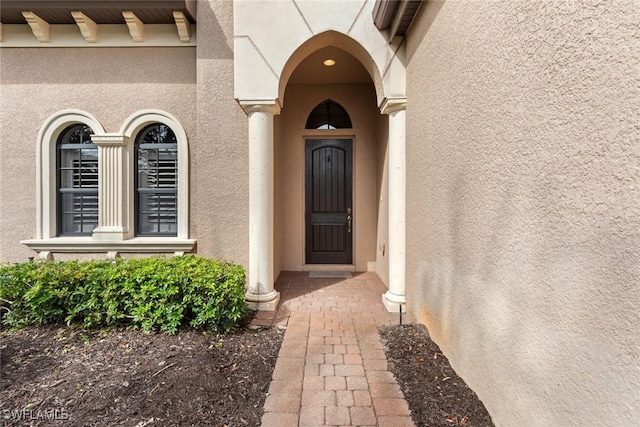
{"x": 347, "y": 69}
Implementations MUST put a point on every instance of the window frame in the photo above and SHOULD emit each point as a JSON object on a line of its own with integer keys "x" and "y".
{"x": 61, "y": 146}
{"x": 46, "y": 171}
{"x": 328, "y": 105}
{"x": 130, "y": 129}
{"x": 138, "y": 191}
{"x": 46, "y": 240}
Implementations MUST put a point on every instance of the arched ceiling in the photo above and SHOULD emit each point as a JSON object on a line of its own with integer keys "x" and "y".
{"x": 347, "y": 69}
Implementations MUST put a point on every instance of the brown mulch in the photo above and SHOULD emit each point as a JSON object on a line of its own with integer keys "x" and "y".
{"x": 75, "y": 377}
{"x": 437, "y": 396}
{"x": 52, "y": 375}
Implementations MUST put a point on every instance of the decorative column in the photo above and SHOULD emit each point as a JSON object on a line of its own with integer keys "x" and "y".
{"x": 395, "y": 296}
{"x": 261, "y": 294}
{"x": 112, "y": 179}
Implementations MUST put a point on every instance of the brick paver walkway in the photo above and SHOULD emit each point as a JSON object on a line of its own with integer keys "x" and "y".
{"x": 331, "y": 369}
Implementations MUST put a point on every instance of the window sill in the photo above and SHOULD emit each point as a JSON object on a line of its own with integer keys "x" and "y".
{"x": 90, "y": 245}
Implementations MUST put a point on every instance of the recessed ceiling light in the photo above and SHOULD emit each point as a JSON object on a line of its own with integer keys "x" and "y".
{"x": 329, "y": 62}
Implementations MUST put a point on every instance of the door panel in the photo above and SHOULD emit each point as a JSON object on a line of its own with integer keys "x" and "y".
{"x": 328, "y": 204}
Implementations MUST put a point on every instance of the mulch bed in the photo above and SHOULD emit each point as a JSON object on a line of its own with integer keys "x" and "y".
{"x": 52, "y": 375}
{"x": 74, "y": 377}
{"x": 436, "y": 395}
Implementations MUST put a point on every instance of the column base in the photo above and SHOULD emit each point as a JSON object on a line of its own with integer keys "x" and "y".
{"x": 264, "y": 302}
{"x": 392, "y": 302}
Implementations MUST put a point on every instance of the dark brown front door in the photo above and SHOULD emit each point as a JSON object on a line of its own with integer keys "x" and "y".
{"x": 328, "y": 205}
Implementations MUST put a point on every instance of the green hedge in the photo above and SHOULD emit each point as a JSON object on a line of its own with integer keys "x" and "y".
{"x": 152, "y": 293}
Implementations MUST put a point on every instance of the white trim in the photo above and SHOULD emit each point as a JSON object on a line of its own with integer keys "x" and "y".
{"x": 46, "y": 214}
{"x": 111, "y": 238}
{"x": 130, "y": 129}
{"x": 89, "y": 245}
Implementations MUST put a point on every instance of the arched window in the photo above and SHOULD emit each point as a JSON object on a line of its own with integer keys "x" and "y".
{"x": 328, "y": 115}
{"x": 156, "y": 176}
{"x": 76, "y": 181}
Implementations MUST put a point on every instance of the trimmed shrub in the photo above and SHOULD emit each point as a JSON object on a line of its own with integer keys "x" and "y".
{"x": 152, "y": 293}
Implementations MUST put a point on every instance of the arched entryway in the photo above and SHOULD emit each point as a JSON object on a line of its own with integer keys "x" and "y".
{"x": 278, "y": 82}
{"x": 321, "y": 220}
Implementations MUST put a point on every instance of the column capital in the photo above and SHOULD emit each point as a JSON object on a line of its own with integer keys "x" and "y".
{"x": 392, "y": 104}
{"x": 271, "y": 106}
{"x": 109, "y": 139}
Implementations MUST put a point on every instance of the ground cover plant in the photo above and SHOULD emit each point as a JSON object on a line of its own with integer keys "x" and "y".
{"x": 150, "y": 293}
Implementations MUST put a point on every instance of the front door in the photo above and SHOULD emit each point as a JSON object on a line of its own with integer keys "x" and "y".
{"x": 328, "y": 201}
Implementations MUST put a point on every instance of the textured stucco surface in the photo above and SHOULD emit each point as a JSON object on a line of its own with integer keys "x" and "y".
{"x": 193, "y": 84}
{"x": 523, "y": 213}
{"x": 109, "y": 83}
{"x": 269, "y": 35}
{"x": 220, "y": 159}
{"x": 300, "y": 100}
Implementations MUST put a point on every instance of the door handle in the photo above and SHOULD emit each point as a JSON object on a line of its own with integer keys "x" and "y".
{"x": 348, "y": 220}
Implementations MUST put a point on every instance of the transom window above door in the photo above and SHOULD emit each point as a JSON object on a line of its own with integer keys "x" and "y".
{"x": 328, "y": 115}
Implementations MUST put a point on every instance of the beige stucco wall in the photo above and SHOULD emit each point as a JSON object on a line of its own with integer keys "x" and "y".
{"x": 360, "y": 102}
{"x": 110, "y": 83}
{"x": 193, "y": 84}
{"x": 523, "y": 213}
{"x": 220, "y": 159}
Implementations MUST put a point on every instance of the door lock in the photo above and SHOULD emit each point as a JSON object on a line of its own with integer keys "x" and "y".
{"x": 348, "y": 220}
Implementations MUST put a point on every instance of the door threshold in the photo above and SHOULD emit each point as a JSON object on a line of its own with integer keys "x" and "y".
{"x": 329, "y": 267}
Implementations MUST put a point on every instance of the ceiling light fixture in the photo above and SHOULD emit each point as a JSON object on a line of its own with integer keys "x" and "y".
{"x": 329, "y": 62}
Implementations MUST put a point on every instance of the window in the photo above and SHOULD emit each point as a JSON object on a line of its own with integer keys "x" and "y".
{"x": 76, "y": 181}
{"x": 328, "y": 115}
{"x": 137, "y": 203}
{"x": 156, "y": 175}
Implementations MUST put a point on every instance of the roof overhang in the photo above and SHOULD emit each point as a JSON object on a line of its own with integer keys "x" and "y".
{"x": 101, "y": 12}
{"x": 395, "y": 15}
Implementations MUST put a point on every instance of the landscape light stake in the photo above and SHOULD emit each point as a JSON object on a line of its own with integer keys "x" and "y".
{"x": 400, "y": 305}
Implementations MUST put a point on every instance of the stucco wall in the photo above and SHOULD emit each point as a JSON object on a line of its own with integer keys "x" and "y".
{"x": 300, "y": 100}
{"x": 220, "y": 159}
{"x": 523, "y": 213}
{"x": 109, "y": 83}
